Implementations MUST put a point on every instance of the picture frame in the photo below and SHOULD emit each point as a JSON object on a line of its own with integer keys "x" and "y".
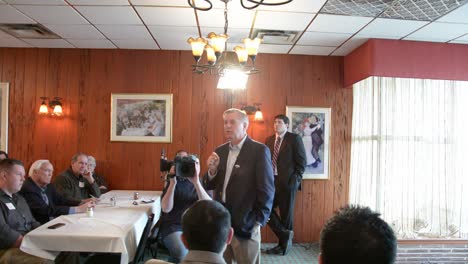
{"x": 313, "y": 125}
{"x": 4, "y": 101}
{"x": 141, "y": 117}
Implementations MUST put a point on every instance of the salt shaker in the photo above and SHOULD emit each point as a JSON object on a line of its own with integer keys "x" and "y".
{"x": 89, "y": 212}
{"x": 112, "y": 201}
{"x": 135, "y": 196}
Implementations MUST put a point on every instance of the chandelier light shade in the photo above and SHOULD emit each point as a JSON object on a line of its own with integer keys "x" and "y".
{"x": 215, "y": 46}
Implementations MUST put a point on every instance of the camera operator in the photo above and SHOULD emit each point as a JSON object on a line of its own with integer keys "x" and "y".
{"x": 179, "y": 194}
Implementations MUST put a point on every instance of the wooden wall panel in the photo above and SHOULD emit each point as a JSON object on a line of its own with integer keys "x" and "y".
{"x": 85, "y": 79}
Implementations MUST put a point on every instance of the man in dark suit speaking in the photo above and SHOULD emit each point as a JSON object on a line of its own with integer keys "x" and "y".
{"x": 241, "y": 175}
{"x": 289, "y": 160}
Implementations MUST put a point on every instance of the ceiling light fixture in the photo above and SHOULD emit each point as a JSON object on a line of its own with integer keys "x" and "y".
{"x": 215, "y": 45}
{"x": 256, "y": 3}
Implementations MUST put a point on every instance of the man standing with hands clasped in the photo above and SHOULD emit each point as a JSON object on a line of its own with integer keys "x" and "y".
{"x": 289, "y": 160}
{"x": 241, "y": 176}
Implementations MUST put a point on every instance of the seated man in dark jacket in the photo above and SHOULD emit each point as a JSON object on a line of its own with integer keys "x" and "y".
{"x": 42, "y": 197}
{"x": 15, "y": 217}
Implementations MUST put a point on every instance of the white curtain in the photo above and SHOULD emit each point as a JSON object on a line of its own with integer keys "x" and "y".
{"x": 409, "y": 154}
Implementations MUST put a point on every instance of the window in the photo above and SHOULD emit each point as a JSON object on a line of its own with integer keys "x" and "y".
{"x": 409, "y": 153}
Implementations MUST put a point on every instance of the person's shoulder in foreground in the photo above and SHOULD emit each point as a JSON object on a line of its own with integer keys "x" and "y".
{"x": 356, "y": 234}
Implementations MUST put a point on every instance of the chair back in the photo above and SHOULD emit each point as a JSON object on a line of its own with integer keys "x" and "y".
{"x": 140, "y": 252}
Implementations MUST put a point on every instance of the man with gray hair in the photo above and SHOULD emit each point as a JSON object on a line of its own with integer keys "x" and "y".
{"x": 100, "y": 180}
{"x": 43, "y": 200}
{"x": 77, "y": 182}
{"x": 241, "y": 175}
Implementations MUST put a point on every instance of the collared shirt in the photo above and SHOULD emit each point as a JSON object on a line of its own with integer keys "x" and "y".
{"x": 280, "y": 138}
{"x": 15, "y": 219}
{"x": 234, "y": 151}
{"x": 198, "y": 256}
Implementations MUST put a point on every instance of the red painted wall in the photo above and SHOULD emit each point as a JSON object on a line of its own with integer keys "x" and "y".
{"x": 406, "y": 59}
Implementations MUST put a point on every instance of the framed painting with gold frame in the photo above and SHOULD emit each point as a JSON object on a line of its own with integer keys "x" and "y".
{"x": 141, "y": 117}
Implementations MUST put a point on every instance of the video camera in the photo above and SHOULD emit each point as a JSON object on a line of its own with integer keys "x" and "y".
{"x": 184, "y": 166}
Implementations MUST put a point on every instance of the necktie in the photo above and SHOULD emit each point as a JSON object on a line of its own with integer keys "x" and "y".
{"x": 275, "y": 153}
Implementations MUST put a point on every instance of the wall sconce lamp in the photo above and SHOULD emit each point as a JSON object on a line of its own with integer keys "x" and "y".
{"x": 55, "y": 104}
{"x": 254, "y": 109}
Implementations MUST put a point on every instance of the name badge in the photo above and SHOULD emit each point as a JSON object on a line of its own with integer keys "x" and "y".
{"x": 81, "y": 184}
{"x": 10, "y": 206}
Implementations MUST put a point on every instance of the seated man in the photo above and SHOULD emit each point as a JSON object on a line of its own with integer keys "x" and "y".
{"x": 77, "y": 182}
{"x": 100, "y": 180}
{"x": 357, "y": 235}
{"x": 15, "y": 219}
{"x": 206, "y": 231}
{"x": 43, "y": 200}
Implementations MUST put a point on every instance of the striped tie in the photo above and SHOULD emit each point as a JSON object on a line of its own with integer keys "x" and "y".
{"x": 275, "y": 154}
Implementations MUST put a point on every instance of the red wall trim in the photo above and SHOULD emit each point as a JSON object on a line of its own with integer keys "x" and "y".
{"x": 406, "y": 59}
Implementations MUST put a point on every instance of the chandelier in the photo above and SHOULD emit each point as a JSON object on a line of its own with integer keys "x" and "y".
{"x": 242, "y": 2}
{"x": 219, "y": 61}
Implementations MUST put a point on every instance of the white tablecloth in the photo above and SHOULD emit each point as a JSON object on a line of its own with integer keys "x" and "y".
{"x": 112, "y": 229}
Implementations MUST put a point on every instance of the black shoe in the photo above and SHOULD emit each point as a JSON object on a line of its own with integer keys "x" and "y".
{"x": 275, "y": 250}
{"x": 315, "y": 164}
{"x": 288, "y": 245}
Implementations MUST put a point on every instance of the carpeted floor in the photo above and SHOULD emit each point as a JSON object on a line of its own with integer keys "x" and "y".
{"x": 300, "y": 253}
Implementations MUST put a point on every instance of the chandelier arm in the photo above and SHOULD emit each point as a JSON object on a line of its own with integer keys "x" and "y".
{"x": 262, "y": 2}
{"x": 201, "y": 8}
{"x": 251, "y": 7}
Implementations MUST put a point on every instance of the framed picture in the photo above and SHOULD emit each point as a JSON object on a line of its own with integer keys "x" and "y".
{"x": 141, "y": 117}
{"x": 313, "y": 125}
{"x": 4, "y": 116}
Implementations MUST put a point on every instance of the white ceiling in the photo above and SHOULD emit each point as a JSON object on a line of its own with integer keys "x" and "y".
{"x": 166, "y": 25}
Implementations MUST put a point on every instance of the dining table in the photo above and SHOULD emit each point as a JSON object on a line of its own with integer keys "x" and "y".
{"x": 114, "y": 226}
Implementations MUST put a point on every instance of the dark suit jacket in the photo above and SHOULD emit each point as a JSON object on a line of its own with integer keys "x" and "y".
{"x": 251, "y": 189}
{"x": 291, "y": 159}
{"x": 58, "y": 205}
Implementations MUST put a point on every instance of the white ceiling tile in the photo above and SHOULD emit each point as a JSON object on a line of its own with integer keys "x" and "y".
{"x": 270, "y": 48}
{"x": 125, "y": 31}
{"x": 235, "y": 34}
{"x": 173, "y": 38}
{"x": 381, "y": 27}
{"x": 307, "y": 6}
{"x": 323, "y": 39}
{"x": 76, "y": 31}
{"x": 459, "y": 41}
{"x": 182, "y": 3}
{"x": 4, "y": 35}
{"x": 36, "y": 2}
{"x": 338, "y": 24}
{"x": 167, "y": 16}
{"x": 99, "y": 2}
{"x": 110, "y": 15}
{"x": 349, "y": 46}
{"x": 9, "y": 15}
{"x": 13, "y": 42}
{"x": 282, "y": 21}
{"x": 439, "y": 32}
{"x": 237, "y": 18}
{"x": 49, "y": 43}
{"x": 459, "y": 15}
{"x": 462, "y": 38}
{"x": 53, "y": 15}
{"x": 312, "y": 50}
{"x": 135, "y": 43}
{"x": 92, "y": 43}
